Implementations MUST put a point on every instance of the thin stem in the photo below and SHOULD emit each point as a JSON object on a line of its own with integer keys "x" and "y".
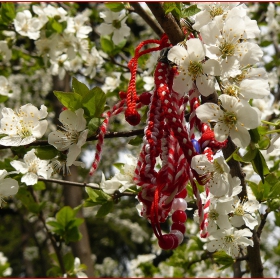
{"x": 230, "y": 157}
{"x": 137, "y": 8}
{"x": 51, "y": 237}
{"x": 81, "y": 185}
{"x": 269, "y": 123}
{"x": 273, "y": 131}
{"x": 91, "y": 138}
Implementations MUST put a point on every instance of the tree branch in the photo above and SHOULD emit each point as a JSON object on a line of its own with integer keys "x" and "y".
{"x": 167, "y": 22}
{"x": 83, "y": 185}
{"x": 91, "y": 138}
{"x": 137, "y": 8}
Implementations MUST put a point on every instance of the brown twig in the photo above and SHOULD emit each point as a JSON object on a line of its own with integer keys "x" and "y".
{"x": 91, "y": 138}
{"x": 51, "y": 237}
{"x": 167, "y": 22}
{"x": 81, "y": 185}
{"x": 137, "y": 8}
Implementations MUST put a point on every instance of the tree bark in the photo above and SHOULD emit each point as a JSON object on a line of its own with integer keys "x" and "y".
{"x": 81, "y": 249}
{"x": 73, "y": 195}
{"x": 167, "y": 22}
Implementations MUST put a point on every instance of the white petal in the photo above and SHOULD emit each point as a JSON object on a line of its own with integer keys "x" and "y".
{"x": 59, "y": 140}
{"x": 205, "y": 85}
{"x": 73, "y": 153}
{"x": 177, "y": 54}
{"x": 250, "y": 221}
{"x": 10, "y": 141}
{"x": 40, "y": 129}
{"x": 8, "y": 187}
{"x": 237, "y": 221}
{"x": 195, "y": 49}
{"x": 240, "y": 136}
{"x": 209, "y": 112}
{"x": 19, "y": 166}
{"x": 212, "y": 67}
{"x": 29, "y": 179}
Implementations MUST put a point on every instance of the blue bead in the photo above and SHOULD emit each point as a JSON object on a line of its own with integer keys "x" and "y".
{"x": 196, "y": 146}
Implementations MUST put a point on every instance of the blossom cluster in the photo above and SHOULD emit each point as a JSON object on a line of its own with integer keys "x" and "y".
{"x": 224, "y": 59}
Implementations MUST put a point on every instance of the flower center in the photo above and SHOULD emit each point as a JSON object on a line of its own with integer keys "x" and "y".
{"x": 218, "y": 167}
{"x": 239, "y": 211}
{"x": 227, "y": 49}
{"x": 230, "y": 119}
{"x": 33, "y": 166}
{"x": 117, "y": 24}
{"x": 229, "y": 238}
{"x": 216, "y": 11}
{"x": 195, "y": 69}
{"x": 231, "y": 90}
{"x": 25, "y": 128}
{"x": 213, "y": 214}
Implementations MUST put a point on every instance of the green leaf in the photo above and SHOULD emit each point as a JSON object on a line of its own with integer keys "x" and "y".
{"x": 68, "y": 261}
{"x": 250, "y": 155}
{"x": 237, "y": 157}
{"x": 75, "y": 223}
{"x": 27, "y": 200}
{"x": 136, "y": 141}
{"x": 71, "y": 100}
{"x": 105, "y": 209}
{"x": 107, "y": 45}
{"x": 119, "y": 165}
{"x": 98, "y": 197}
{"x": 46, "y": 152}
{"x": 65, "y": 215}
{"x": 115, "y": 6}
{"x": 79, "y": 87}
{"x": 94, "y": 102}
{"x": 56, "y": 226}
{"x": 54, "y": 272}
{"x": 39, "y": 186}
{"x": 264, "y": 142}
{"x": 94, "y": 124}
{"x": 257, "y": 190}
{"x": 275, "y": 191}
{"x": 7, "y": 12}
{"x": 262, "y": 130}
{"x": 255, "y": 136}
{"x": 72, "y": 235}
{"x": 222, "y": 258}
{"x": 3, "y": 98}
{"x": 260, "y": 166}
{"x": 173, "y": 7}
{"x": 190, "y": 11}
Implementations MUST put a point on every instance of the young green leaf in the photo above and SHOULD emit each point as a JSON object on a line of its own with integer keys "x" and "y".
{"x": 71, "y": 100}
{"x": 105, "y": 209}
{"x": 79, "y": 87}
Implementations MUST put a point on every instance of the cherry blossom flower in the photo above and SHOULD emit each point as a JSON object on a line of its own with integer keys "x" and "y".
{"x": 28, "y": 26}
{"x": 229, "y": 240}
{"x": 32, "y": 167}
{"x": 232, "y": 119}
{"x": 77, "y": 25}
{"x": 123, "y": 178}
{"x": 111, "y": 83}
{"x": 93, "y": 63}
{"x": 114, "y": 23}
{"x": 218, "y": 171}
{"x": 5, "y": 51}
{"x": 192, "y": 67}
{"x": 72, "y": 136}
{"x": 23, "y": 126}
{"x": 8, "y": 186}
{"x": 274, "y": 147}
{"x": 243, "y": 213}
{"x": 5, "y": 88}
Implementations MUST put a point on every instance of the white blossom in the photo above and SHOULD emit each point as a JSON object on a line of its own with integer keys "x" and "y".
{"x": 32, "y": 167}
{"x": 23, "y": 126}
{"x": 5, "y": 51}
{"x": 113, "y": 23}
{"x": 8, "y": 186}
{"x": 218, "y": 171}
{"x": 192, "y": 67}
{"x": 244, "y": 212}
{"x": 229, "y": 240}
{"x": 26, "y": 25}
{"x": 233, "y": 119}
{"x": 72, "y": 136}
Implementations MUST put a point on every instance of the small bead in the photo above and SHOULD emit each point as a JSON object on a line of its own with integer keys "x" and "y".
{"x": 179, "y": 216}
{"x": 179, "y": 226}
{"x": 179, "y": 204}
{"x": 178, "y": 234}
{"x": 181, "y": 194}
{"x": 168, "y": 241}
